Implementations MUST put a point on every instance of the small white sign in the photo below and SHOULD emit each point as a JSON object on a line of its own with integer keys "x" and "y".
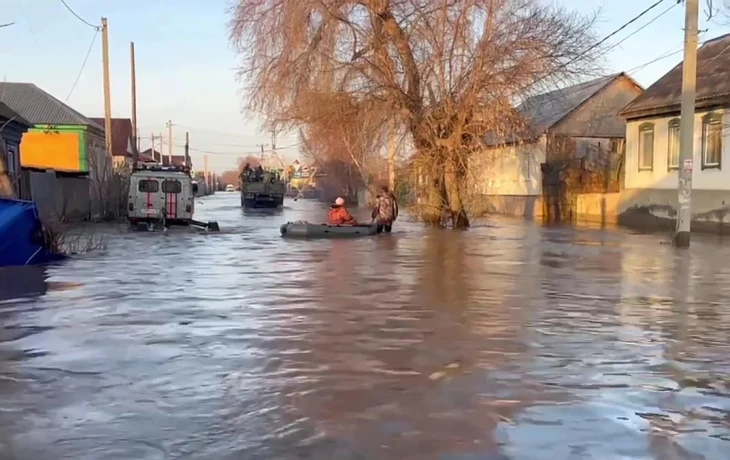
{"x": 688, "y": 164}
{"x": 149, "y": 211}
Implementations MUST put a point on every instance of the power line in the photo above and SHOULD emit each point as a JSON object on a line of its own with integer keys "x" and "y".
{"x": 79, "y": 17}
{"x": 246, "y": 149}
{"x": 178, "y": 139}
{"x": 212, "y": 131}
{"x": 615, "y": 45}
{"x": 83, "y": 65}
{"x": 594, "y": 46}
{"x": 607, "y": 37}
{"x": 253, "y": 152}
{"x": 665, "y": 55}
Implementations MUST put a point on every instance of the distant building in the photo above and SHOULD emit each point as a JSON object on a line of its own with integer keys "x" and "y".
{"x": 122, "y": 140}
{"x": 149, "y": 156}
{"x": 164, "y": 159}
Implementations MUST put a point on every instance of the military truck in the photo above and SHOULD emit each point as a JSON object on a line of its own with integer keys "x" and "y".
{"x": 262, "y": 191}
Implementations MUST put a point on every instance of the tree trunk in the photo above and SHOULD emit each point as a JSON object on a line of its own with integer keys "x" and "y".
{"x": 453, "y": 179}
{"x": 433, "y": 207}
{"x": 392, "y": 150}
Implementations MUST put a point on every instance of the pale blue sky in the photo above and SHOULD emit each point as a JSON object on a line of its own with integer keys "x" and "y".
{"x": 185, "y": 68}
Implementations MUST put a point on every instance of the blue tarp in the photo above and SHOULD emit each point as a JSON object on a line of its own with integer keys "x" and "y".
{"x": 21, "y": 241}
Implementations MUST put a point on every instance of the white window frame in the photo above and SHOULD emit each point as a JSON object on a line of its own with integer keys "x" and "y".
{"x": 713, "y": 120}
{"x": 673, "y": 146}
{"x": 646, "y": 129}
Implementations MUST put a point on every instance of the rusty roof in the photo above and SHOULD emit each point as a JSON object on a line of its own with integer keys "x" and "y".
{"x": 121, "y": 135}
{"x": 713, "y": 83}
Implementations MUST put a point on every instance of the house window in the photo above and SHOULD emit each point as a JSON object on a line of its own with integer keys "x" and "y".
{"x": 646, "y": 147}
{"x": 148, "y": 186}
{"x": 11, "y": 158}
{"x": 673, "y": 145}
{"x": 172, "y": 186}
{"x": 711, "y": 141}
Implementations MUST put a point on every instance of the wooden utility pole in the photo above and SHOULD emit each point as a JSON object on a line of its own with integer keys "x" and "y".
{"x": 187, "y": 149}
{"x": 152, "y": 149}
{"x": 392, "y": 150}
{"x": 107, "y": 87}
{"x": 687, "y": 125}
{"x": 208, "y": 184}
{"x": 169, "y": 139}
{"x": 135, "y": 134}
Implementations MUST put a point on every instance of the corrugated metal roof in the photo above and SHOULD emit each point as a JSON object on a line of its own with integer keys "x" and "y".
{"x": 40, "y": 107}
{"x": 9, "y": 114}
{"x": 544, "y": 110}
{"x": 713, "y": 82}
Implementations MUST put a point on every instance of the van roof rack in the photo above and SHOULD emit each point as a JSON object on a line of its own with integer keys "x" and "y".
{"x": 158, "y": 167}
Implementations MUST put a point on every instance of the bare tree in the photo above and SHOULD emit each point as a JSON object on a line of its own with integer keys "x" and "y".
{"x": 448, "y": 71}
{"x": 335, "y": 132}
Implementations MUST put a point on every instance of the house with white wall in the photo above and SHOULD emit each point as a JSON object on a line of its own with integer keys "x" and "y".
{"x": 571, "y": 123}
{"x": 652, "y": 144}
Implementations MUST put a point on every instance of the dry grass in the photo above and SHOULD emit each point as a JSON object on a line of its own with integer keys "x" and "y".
{"x": 68, "y": 239}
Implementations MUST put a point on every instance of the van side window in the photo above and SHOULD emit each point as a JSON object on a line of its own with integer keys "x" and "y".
{"x": 172, "y": 186}
{"x": 148, "y": 186}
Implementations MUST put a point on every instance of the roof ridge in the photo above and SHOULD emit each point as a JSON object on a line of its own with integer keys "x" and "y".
{"x": 55, "y": 105}
{"x": 586, "y": 84}
{"x": 67, "y": 107}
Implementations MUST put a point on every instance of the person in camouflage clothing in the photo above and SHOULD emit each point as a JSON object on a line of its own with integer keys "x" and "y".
{"x": 385, "y": 211}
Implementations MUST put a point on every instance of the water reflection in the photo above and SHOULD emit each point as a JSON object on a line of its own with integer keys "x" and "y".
{"x": 505, "y": 341}
{"x": 22, "y": 283}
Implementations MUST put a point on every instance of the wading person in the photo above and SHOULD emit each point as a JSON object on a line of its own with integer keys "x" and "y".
{"x": 385, "y": 211}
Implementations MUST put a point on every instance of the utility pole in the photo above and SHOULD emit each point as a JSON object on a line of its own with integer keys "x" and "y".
{"x": 273, "y": 146}
{"x": 169, "y": 138}
{"x": 152, "y": 149}
{"x": 135, "y": 134}
{"x": 208, "y": 182}
{"x": 687, "y": 125}
{"x": 392, "y": 150}
{"x": 161, "y": 147}
{"x": 107, "y": 87}
{"x": 187, "y": 149}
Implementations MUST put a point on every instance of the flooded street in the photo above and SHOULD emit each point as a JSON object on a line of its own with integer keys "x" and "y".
{"x": 507, "y": 341}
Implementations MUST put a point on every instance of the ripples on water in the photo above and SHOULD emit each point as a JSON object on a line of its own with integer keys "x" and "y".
{"x": 505, "y": 341}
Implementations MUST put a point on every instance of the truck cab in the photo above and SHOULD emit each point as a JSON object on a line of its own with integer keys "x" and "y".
{"x": 161, "y": 194}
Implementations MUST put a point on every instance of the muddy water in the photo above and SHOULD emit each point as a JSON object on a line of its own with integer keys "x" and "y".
{"x": 505, "y": 341}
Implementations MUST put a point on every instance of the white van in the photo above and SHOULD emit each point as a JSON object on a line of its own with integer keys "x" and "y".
{"x": 161, "y": 194}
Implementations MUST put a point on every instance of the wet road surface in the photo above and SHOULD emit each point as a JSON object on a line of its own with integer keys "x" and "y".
{"x": 507, "y": 341}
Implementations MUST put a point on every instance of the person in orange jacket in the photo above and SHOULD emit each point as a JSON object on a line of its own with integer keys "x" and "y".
{"x": 339, "y": 215}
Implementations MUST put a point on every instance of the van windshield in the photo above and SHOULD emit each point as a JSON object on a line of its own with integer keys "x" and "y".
{"x": 148, "y": 186}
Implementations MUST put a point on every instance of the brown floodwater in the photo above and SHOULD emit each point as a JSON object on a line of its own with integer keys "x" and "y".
{"x": 506, "y": 341}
